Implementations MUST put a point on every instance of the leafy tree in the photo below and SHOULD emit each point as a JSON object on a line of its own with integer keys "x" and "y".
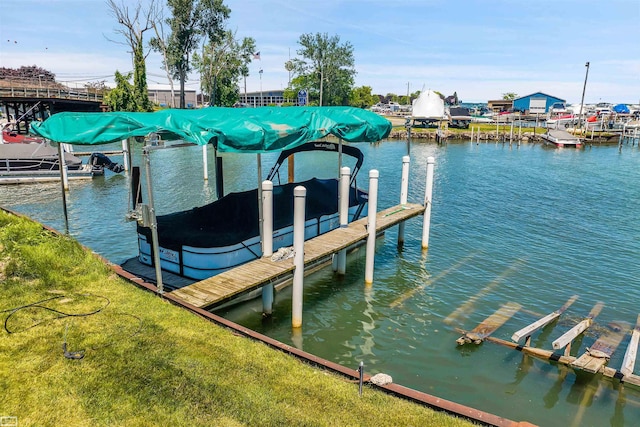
{"x": 222, "y": 62}
{"x": 160, "y": 43}
{"x": 134, "y": 24}
{"x": 191, "y": 20}
{"x": 327, "y": 67}
{"x": 361, "y": 97}
{"x": 509, "y": 96}
{"x": 122, "y": 97}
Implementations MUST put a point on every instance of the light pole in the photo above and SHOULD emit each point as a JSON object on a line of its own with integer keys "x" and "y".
{"x": 260, "y": 87}
{"x": 583, "y": 90}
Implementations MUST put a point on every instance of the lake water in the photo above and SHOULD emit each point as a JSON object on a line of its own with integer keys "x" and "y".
{"x": 526, "y": 224}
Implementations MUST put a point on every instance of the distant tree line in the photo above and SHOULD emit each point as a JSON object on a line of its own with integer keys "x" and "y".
{"x": 31, "y": 72}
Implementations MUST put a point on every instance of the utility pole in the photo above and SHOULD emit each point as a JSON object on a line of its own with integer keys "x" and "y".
{"x": 583, "y": 90}
{"x": 261, "y": 104}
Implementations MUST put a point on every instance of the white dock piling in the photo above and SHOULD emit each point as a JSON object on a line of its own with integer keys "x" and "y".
{"x": 267, "y": 224}
{"x": 471, "y": 133}
{"x": 205, "y": 164}
{"x": 427, "y": 203}
{"x": 404, "y": 192}
{"x": 126, "y": 157}
{"x": 345, "y": 175}
{"x": 371, "y": 226}
{"x": 629, "y": 360}
{"x": 299, "y": 199}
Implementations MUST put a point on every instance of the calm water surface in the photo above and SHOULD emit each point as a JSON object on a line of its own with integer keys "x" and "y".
{"x": 525, "y": 224}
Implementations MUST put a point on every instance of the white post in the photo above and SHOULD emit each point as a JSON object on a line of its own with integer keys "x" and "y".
{"x": 63, "y": 167}
{"x": 125, "y": 154}
{"x": 427, "y": 203}
{"x": 343, "y": 197}
{"x": 404, "y": 192}
{"x": 371, "y": 226}
{"x": 205, "y": 164}
{"x": 260, "y": 214}
{"x": 299, "y": 198}
{"x": 472, "y": 134}
{"x": 267, "y": 211}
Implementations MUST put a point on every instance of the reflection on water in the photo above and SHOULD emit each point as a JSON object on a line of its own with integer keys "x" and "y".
{"x": 509, "y": 224}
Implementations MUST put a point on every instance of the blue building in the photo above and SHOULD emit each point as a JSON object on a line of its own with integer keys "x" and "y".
{"x": 536, "y": 103}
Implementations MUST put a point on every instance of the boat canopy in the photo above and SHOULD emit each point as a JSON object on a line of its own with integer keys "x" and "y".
{"x": 250, "y": 130}
{"x": 621, "y": 109}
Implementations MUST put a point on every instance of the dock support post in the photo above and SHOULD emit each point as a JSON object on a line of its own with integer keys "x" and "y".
{"x": 154, "y": 223}
{"x": 404, "y": 192}
{"x": 267, "y": 210}
{"x": 205, "y": 164}
{"x": 427, "y": 203}
{"x": 260, "y": 213}
{"x": 299, "y": 199}
{"x": 126, "y": 157}
{"x": 471, "y": 134}
{"x": 63, "y": 167}
{"x": 267, "y": 250}
{"x": 62, "y": 187}
{"x": 345, "y": 175}
{"x": 371, "y": 226}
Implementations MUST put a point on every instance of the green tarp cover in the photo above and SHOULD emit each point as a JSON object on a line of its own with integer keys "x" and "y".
{"x": 253, "y": 130}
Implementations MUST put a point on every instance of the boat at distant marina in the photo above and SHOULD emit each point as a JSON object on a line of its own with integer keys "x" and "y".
{"x": 39, "y": 162}
{"x": 561, "y": 138}
{"x": 11, "y": 136}
{"x": 427, "y": 108}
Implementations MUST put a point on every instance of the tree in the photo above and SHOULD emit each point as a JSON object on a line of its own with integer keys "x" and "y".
{"x": 361, "y": 97}
{"x": 328, "y": 66}
{"x": 190, "y": 21}
{"x": 160, "y": 43}
{"x": 134, "y": 25}
{"x": 122, "y": 97}
{"x": 221, "y": 64}
{"x": 509, "y": 96}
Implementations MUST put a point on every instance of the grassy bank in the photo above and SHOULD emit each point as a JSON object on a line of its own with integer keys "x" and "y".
{"x": 146, "y": 362}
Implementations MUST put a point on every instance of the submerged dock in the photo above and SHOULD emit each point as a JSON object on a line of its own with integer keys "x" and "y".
{"x": 253, "y": 275}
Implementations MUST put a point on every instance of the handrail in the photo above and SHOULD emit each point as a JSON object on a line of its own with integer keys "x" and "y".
{"x": 50, "y": 92}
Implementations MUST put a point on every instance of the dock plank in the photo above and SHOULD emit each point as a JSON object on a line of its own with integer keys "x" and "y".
{"x": 490, "y": 324}
{"x": 596, "y": 356}
{"x": 540, "y": 323}
{"x": 572, "y": 333}
{"x": 252, "y": 275}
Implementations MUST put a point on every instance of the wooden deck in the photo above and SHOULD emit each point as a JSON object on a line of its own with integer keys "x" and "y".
{"x": 247, "y": 277}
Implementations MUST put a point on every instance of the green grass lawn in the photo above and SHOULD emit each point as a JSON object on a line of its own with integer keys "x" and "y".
{"x": 147, "y": 362}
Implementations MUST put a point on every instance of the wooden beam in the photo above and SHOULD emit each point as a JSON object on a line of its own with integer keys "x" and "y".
{"x": 572, "y": 333}
{"x": 629, "y": 361}
{"x": 596, "y": 356}
{"x": 540, "y": 323}
{"x": 490, "y": 324}
{"x": 467, "y": 307}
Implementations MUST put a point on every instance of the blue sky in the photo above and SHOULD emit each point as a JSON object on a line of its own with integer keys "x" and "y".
{"x": 481, "y": 49}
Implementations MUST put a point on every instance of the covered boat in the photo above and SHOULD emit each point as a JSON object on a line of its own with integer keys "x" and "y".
{"x": 427, "y": 108}
{"x": 204, "y": 241}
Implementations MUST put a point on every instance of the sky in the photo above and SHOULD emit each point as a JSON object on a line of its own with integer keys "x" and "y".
{"x": 479, "y": 49}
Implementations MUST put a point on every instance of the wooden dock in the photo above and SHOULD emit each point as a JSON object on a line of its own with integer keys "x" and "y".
{"x": 252, "y": 275}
